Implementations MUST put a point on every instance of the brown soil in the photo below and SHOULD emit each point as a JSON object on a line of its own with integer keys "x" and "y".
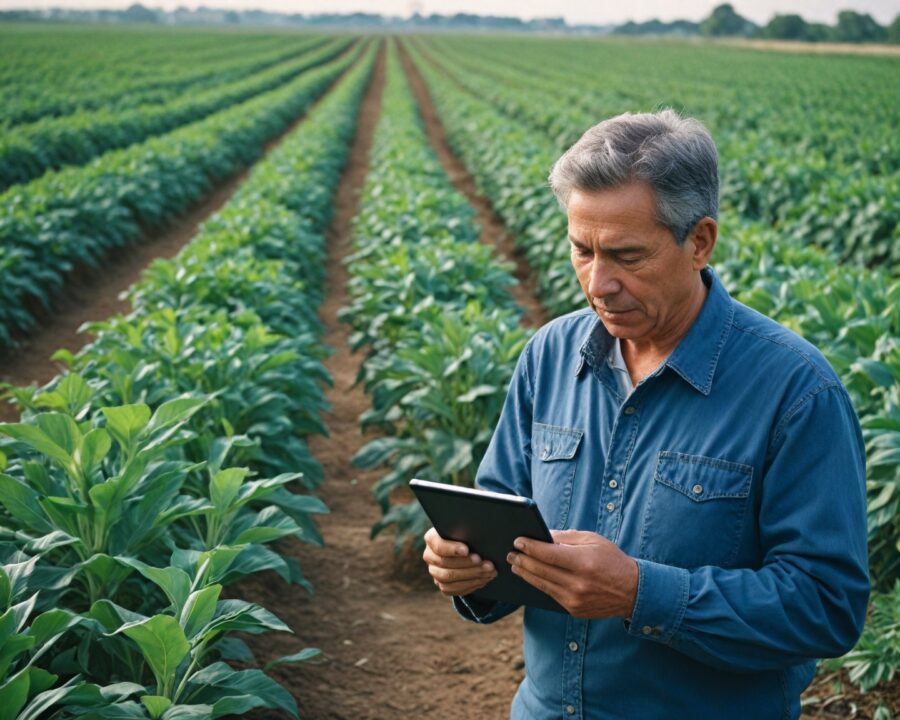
{"x": 93, "y": 294}
{"x": 392, "y": 645}
{"x": 493, "y": 232}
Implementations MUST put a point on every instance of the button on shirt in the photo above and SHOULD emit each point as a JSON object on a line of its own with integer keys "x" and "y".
{"x": 734, "y": 474}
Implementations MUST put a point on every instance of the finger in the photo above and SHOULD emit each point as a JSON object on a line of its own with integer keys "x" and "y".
{"x": 451, "y": 575}
{"x": 550, "y": 573}
{"x": 557, "y": 592}
{"x": 468, "y": 561}
{"x": 549, "y": 553}
{"x": 444, "y": 548}
{"x": 461, "y": 588}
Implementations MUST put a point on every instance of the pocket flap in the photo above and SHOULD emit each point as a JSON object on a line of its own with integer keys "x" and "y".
{"x": 554, "y": 442}
{"x": 703, "y": 478}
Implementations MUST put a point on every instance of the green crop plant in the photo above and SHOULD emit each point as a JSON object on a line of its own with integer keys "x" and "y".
{"x": 197, "y": 509}
{"x": 431, "y": 308}
{"x": 55, "y": 71}
{"x": 28, "y": 151}
{"x": 77, "y": 215}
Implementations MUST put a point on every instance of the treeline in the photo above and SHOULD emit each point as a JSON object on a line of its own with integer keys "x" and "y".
{"x": 725, "y": 21}
{"x": 203, "y": 15}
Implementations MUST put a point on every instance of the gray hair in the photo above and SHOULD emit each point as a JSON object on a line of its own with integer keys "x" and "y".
{"x": 676, "y": 156}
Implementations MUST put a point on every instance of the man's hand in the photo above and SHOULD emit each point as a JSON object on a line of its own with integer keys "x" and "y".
{"x": 454, "y": 570}
{"x": 583, "y": 571}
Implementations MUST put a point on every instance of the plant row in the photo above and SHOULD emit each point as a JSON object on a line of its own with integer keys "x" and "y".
{"x": 77, "y": 215}
{"x": 54, "y": 71}
{"x": 28, "y": 151}
{"x": 816, "y": 172}
{"x": 430, "y": 306}
{"x": 158, "y": 469}
{"x": 851, "y": 314}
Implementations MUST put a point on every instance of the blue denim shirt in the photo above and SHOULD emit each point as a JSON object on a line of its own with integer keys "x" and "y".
{"x": 734, "y": 474}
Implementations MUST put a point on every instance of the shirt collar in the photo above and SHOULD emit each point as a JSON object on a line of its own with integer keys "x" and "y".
{"x": 696, "y": 355}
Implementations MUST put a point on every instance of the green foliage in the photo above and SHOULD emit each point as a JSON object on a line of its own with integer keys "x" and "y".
{"x": 787, "y": 27}
{"x": 876, "y": 658}
{"x": 77, "y": 215}
{"x": 52, "y": 71}
{"x": 725, "y": 21}
{"x": 858, "y": 27}
{"x": 139, "y": 482}
{"x": 28, "y": 151}
{"x": 430, "y": 304}
{"x": 822, "y": 174}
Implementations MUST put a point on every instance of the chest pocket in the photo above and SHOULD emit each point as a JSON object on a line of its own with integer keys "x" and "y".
{"x": 696, "y": 510}
{"x": 554, "y": 459}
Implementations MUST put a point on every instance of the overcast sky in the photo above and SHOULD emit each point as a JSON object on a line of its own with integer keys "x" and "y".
{"x": 577, "y": 11}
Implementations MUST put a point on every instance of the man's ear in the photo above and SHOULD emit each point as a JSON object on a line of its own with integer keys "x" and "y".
{"x": 703, "y": 238}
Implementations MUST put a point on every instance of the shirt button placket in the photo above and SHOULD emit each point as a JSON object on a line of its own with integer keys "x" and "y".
{"x": 573, "y": 667}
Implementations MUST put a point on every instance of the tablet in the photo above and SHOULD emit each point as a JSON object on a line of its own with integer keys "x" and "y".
{"x": 488, "y": 523}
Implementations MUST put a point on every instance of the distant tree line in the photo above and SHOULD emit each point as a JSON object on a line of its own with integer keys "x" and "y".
{"x": 724, "y": 21}
{"x": 203, "y": 15}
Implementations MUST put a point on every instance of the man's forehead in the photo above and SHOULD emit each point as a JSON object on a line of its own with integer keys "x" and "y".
{"x": 622, "y": 205}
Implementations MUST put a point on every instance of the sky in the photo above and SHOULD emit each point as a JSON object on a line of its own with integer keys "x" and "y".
{"x": 575, "y": 11}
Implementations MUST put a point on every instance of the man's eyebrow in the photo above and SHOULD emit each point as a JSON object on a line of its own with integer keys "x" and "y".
{"x": 621, "y": 250}
{"x": 577, "y": 243}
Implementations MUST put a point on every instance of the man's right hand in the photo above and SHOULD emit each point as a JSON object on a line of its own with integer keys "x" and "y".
{"x": 454, "y": 570}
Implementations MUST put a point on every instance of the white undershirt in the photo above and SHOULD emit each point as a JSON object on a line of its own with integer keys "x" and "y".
{"x": 620, "y": 370}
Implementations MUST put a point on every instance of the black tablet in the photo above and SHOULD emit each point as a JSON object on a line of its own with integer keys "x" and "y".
{"x": 488, "y": 523}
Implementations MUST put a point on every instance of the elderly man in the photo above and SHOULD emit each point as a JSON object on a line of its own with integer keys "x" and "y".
{"x": 703, "y": 464}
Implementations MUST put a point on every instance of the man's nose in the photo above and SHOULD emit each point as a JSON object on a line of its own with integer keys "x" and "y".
{"x": 603, "y": 281}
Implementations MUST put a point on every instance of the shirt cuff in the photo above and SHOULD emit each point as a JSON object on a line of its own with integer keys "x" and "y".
{"x": 661, "y": 600}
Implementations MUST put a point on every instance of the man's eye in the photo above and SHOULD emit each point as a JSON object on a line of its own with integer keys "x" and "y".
{"x": 583, "y": 251}
{"x": 627, "y": 261}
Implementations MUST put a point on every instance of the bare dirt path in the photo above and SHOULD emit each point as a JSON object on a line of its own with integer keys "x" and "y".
{"x": 94, "y": 294}
{"x": 493, "y": 232}
{"x": 392, "y": 645}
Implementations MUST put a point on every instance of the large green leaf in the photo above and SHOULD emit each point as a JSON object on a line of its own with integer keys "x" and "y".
{"x": 162, "y": 643}
{"x": 22, "y": 503}
{"x": 199, "y": 609}
{"x": 156, "y": 705}
{"x": 174, "y": 582}
{"x": 126, "y": 422}
{"x": 55, "y": 436}
{"x": 224, "y": 487}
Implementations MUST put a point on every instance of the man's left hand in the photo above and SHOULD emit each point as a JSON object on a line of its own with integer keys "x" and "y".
{"x": 583, "y": 571}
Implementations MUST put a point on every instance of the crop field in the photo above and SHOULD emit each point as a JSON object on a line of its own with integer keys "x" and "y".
{"x": 252, "y": 282}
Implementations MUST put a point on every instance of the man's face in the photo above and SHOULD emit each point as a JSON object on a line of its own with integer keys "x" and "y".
{"x": 640, "y": 282}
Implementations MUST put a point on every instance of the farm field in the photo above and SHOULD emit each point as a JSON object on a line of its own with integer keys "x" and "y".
{"x": 251, "y": 286}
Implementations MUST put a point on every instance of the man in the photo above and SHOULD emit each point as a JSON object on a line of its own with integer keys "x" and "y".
{"x": 704, "y": 464}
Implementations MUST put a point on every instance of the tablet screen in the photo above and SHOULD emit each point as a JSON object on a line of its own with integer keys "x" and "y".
{"x": 488, "y": 523}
